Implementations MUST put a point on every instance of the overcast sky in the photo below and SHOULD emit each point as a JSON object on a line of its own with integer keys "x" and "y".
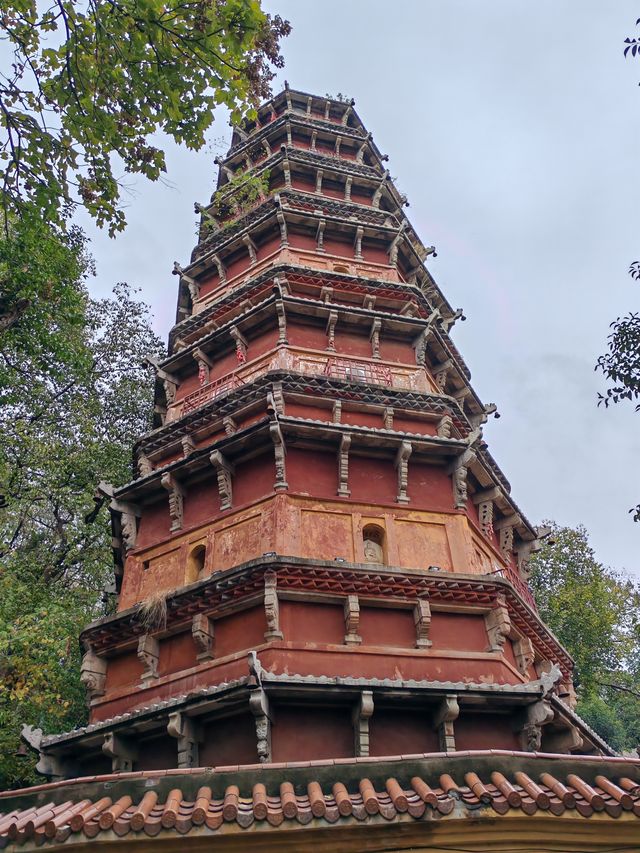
{"x": 513, "y": 128}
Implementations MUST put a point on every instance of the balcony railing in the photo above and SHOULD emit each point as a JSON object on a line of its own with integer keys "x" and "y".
{"x": 358, "y": 371}
{"x": 209, "y": 392}
{"x": 523, "y": 588}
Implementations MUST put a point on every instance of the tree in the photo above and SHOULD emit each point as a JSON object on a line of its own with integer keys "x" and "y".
{"x": 595, "y": 614}
{"x": 73, "y": 395}
{"x": 90, "y": 83}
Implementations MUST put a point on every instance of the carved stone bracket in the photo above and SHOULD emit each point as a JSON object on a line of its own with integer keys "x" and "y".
{"x": 343, "y": 466}
{"x": 394, "y": 247}
{"x": 259, "y": 707}
{"x": 459, "y": 471}
{"x": 347, "y": 188}
{"x": 202, "y": 631}
{"x": 445, "y": 426}
{"x": 374, "y": 337}
{"x": 224, "y": 473}
{"x": 443, "y": 722}
{"x": 485, "y": 517}
{"x": 148, "y": 655}
{"x": 189, "y": 735}
{"x": 222, "y": 272}
{"x": 51, "y": 766}
{"x": 271, "y": 607}
{"x": 524, "y": 654}
{"x": 176, "y": 500}
{"x": 122, "y": 751}
{"x": 188, "y": 445}
{"x": 375, "y": 200}
{"x": 352, "y": 621}
{"x": 498, "y": 625}
{"x": 337, "y": 412}
{"x": 402, "y": 468}
{"x": 331, "y": 330}
{"x": 240, "y": 341}
{"x": 205, "y": 364}
{"x": 279, "y": 448}
{"x": 230, "y": 426}
{"x": 319, "y": 174}
{"x": 93, "y": 672}
{"x": 251, "y": 247}
{"x": 535, "y": 716}
{"x": 282, "y": 322}
{"x": 320, "y": 235}
{"x": 145, "y": 466}
{"x": 357, "y": 244}
{"x": 506, "y": 542}
{"x": 420, "y": 346}
{"x": 422, "y": 620}
{"x": 387, "y": 417}
{"x": 360, "y": 717}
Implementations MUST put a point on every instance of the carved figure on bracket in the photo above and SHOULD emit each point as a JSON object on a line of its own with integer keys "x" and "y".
{"x": 443, "y": 722}
{"x": 149, "y": 655}
{"x": 361, "y": 715}
{"x": 202, "y": 631}
{"x": 498, "y": 624}
{"x": 524, "y": 654}
{"x": 176, "y": 500}
{"x": 352, "y": 621}
{"x": 402, "y": 468}
{"x": 272, "y": 607}
{"x": 188, "y": 734}
{"x": 445, "y": 426}
{"x": 93, "y": 673}
{"x": 343, "y": 466}
{"x": 422, "y": 620}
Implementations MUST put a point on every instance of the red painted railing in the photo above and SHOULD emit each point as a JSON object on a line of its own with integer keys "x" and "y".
{"x": 358, "y": 371}
{"x": 523, "y": 588}
{"x": 209, "y": 392}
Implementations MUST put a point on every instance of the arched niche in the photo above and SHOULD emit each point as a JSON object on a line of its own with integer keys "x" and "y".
{"x": 195, "y": 563}
{"x": 374, "y": 545}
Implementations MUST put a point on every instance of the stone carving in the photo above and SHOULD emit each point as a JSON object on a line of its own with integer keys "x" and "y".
{"x": 267, "y": 148}
{"x": 259, "y": 707}
{"x": 129, "y": 530}
{"x": 362, "y": 149}
{"x": 277, "y": 396}
{"x": 326, "y": 294}
{"x": 202, "y": 631}
{"x": 387, "y": 417}
{"x": 224, "y": 473}
{"x": 320, "y": 235}
{"x": 319, "y": 174}
{"x": 122, "y": 752}
{"x": 352, "y": 621}
{"x": 422, "y": 620}
{"x": 443, "y": 722}
{"x": 373, "y": 552}
{"x": 441, "y": 378}
{"x": 535, "y": 716}
{"x": 280, "y": 453}
{"x": 375, "y": 201}
{"x": 251, "y": 247}
{"x": 188, "y": 734}
{"x": 337, "y": 412}
{"x": 567, "y": 693}
{"x": 420, "y": 347}
{"x": 331, "y": 330}
{"x": 93, "y": 672}
{"x": 222, "y": 273}
{"x": 230, "y": 426}
{"x": 271, "y": 607}
{"x": 360, "y": 717}
{"x": 506, "y": 542}
{"x": 485, "y": 516}
{"x": 357, "y": 246}
{"x": 445, "y": 426}
{"x": 282, "y": 222}
{"x": 498, "y": 625}
{"x": 347, "y": 188}
{"x": 343, "y": 466}
{"x": 395, "y": 246}
{"x": 282, "y": 322}
{"x": 240, "y": 342}
{"x": 402, "y": 468}
{"x": 48, "y": 765}
{"x": 169, "y": 391}
{"x": 148, "y": 655}
{"x": 524, "y": 654}
{"x": 459, "y": 479}
{"x": 176, "y": 500}
{"x": 188, "y": 445}
{"x": 144, "y": 465}
{"x": 374, "y": 337}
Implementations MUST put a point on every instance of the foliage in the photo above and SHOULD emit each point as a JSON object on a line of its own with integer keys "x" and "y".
{"x": 595, "y": 614}
{"x": 73, "y": 394}
{"x": 240, "y": 194}
{"x": 97, "y": 79}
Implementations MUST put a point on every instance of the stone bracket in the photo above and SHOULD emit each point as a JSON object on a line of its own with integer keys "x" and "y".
{"x": 224, "y": 473}
{"x": 202, "y": 631}
{"x": 360, "y": 717}
{"x": 443, "y": 721}
{"x": 93, "y": 673}
{"x": 498, "y": 624}
{"x": 343, "y": 466}
{"x": 374, "y": 337}
{"x": 121, "y": 750}
{"x": 524, "y": 654}
{"x": 259, "y": 707}
{"x": 148, "y": 654}
{"x": 280, "y": 452}
{"x": 189, "y": 735}
{"x": 331, "y": 330}
{"x": 352, "y": 621}
{"x": 422, "y": 621}
{"x": 272, "y": 607}
{"x": 401, "y": 465}
{"x": 176, "y": 500}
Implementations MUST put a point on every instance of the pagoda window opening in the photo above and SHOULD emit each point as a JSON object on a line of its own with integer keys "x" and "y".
{"x": 373, "y": 537}
{"x": 196, "y": 563}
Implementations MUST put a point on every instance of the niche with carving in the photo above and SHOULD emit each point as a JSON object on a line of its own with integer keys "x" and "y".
{"x": 374, "y": 544}
{"x": 195, "y": 564}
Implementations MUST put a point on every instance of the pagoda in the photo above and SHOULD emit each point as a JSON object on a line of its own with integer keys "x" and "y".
{"x": 324, "y": 632}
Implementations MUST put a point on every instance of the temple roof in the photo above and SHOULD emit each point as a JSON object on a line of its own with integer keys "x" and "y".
{"x": 466, "y": 786}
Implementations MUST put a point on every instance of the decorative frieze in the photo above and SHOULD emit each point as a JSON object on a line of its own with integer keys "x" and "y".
{"x": 224, "y": 473}
{"x": 202, "y": 631}
{"x": 360, "y": 717}
{"x": 148, "y": 655}
{"x": 352, "y": 621}
{"x": 176, "y": 500}
{"x": 271, "y": 607}
{"x": 422, "y": 621}
{"x": 402, "y": 468}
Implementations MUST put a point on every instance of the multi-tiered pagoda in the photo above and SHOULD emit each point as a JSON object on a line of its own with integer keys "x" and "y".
{"x": 320, "y": 567}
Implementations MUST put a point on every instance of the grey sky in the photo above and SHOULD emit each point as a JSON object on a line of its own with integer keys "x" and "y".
{"x": 513, "y": 128}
